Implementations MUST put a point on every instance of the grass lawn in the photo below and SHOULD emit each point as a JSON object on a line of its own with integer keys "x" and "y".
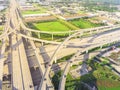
{"x": 65, "y": 58}
{"x": 101, "y": 76}
{"x": 108, "y": 85}
{"x": 52, "y": 26}
{"x": 34, "y": 11}
{"x": 83, "y": 23}
{"x": 115, "y": 56}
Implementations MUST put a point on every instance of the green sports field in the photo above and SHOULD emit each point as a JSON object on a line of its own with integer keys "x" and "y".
{"x": 52, "y": 26}
{"x": 33, "y": 11}
{"x": 82, "y": 23}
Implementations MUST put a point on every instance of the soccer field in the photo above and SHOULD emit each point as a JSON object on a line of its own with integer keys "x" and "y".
{"x": 52, "y": 26}
{"x": 81, "y": 23}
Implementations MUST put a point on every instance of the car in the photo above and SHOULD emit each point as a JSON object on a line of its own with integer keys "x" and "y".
{"x": 113, "y": 47}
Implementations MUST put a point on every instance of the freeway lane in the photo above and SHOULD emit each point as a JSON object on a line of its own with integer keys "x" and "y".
{"x": 42, "y": 67}
{"x": 21, "y": 77}
{"x": 16, "y": 72}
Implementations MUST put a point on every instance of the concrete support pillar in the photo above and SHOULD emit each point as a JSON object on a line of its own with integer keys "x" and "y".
{"x": 30, "y": 33}
{"x": 101, "y": 47}
{"x": 86, "y": 51}
{"x": 90, "y": 31}
{"x": 71, "y": 64}
{"x": 76, "y": 36}
{"x": 42, "y": 43}
{"x": 55, "y": 60}
{"x": 81, "y": 35}
{"x": 97, "y": 30}
{"x": 38, "y": 35}
{"x": 64, "y": 46}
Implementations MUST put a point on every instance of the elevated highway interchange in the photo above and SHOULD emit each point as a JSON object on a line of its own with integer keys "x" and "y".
{"x": 18, "y": 38}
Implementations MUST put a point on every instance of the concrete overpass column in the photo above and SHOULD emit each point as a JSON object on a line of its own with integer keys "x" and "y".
{"x": 101, "y": 47}
{"x": 55, "y": 59}
{"x": 71, "y": 64}
{"x": 30, "y": 33}
{"x": 90, "y": 31}
{"x": 97, "y": 30}
{"x": 64, "y": 46}
{"x": 86, "y": 51}
{"x": 76, "y": 36}
{"x": 42, "y": 43}
{"x": 38, "y": 35}
{"x": 81, "y": 35}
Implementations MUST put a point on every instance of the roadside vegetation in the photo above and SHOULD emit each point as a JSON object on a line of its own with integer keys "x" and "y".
{"x": 100, "y": 76}
{"x": 84, "y": 23}
{"x": 115, "y": 56}
{"x": 64, "y": 58}
{"x": 56, "y": 78}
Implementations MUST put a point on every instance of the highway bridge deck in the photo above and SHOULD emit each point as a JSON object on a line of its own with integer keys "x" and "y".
{"x": 21, "y": 75}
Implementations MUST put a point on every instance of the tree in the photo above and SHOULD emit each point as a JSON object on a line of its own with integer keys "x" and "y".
{"x": 3, "y": 18}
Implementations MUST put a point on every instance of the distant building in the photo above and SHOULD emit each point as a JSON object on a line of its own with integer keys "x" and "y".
{"x": 34, "y": 0}
{"x": 3, "y": 1}
{"x": 3, "y": 4}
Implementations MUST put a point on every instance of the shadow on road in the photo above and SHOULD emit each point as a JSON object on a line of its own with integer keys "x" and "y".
{"x": 97, "y": 35}
{"x": 44, "y": 55}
